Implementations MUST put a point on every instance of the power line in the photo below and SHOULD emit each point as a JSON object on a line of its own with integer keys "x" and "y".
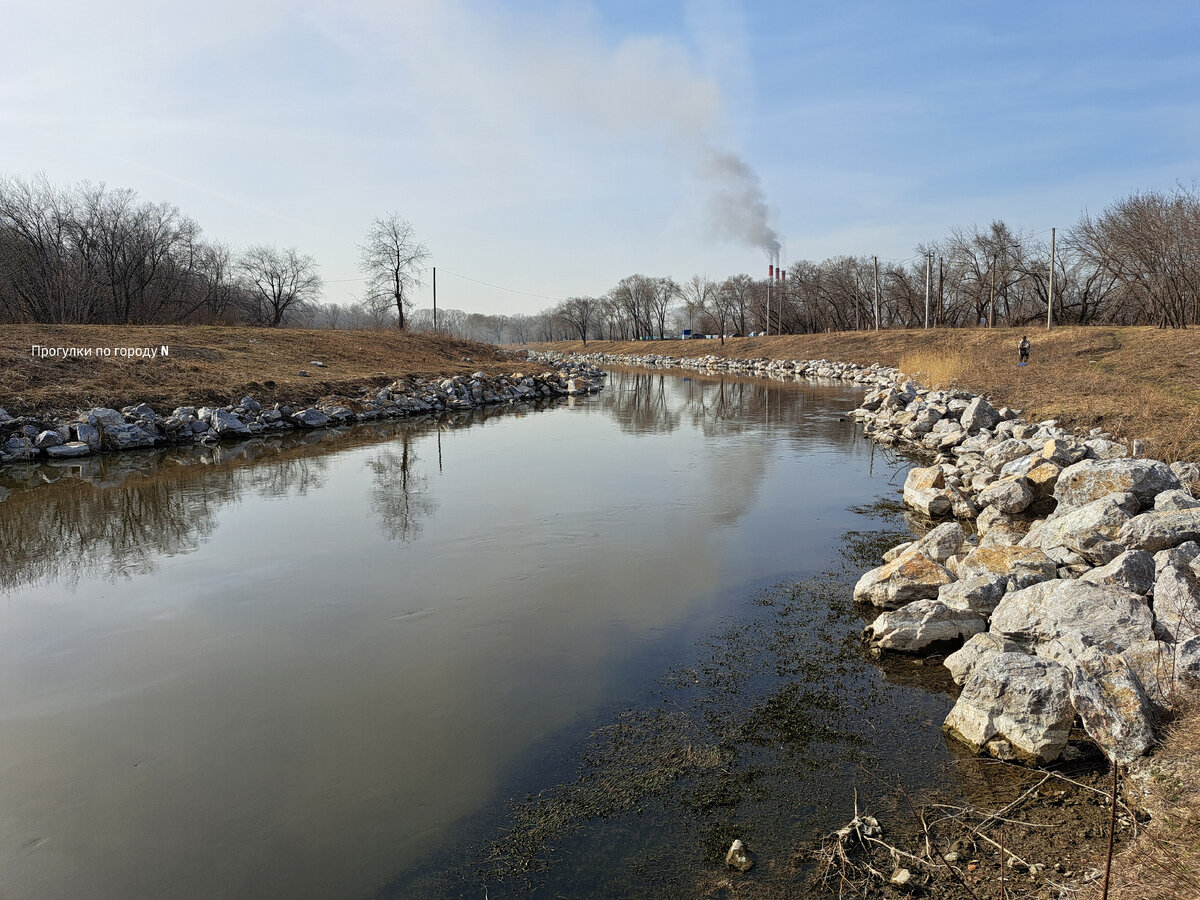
{"x": 446, "y": 271}
{"x": 500, "y": 287}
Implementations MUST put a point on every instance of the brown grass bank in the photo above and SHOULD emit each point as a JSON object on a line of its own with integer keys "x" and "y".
{"x": 1134, "y": 382}
{"x": 218, "y": 365}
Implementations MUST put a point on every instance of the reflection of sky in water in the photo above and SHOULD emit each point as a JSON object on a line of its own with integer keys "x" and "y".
{"x": 326, "y": 679}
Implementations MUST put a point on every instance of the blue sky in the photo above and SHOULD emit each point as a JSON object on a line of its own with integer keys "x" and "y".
{"x": 555, "y": 147}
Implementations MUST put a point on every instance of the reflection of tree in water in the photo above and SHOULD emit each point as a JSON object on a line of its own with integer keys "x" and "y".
{"x": 84, "y": 529}
{"x": 640, "y": 403}
{"x": 717, "y": 405}
{"x": 114, "y": 515}
{"x": 400, "y": 495}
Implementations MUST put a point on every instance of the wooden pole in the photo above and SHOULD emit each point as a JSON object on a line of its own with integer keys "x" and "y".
{"x": 435, "y": 307}
{"x": 1050, "y": 295}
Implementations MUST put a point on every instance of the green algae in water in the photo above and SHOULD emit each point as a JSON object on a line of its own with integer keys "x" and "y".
{"x": 760, "y": 739}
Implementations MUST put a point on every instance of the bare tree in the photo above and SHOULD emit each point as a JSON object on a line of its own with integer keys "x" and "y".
{"x": 578, "y": 314}
{"x": 697, "y": 293}
{"x": 394, "y": 261}
{"x": 278, "y": 282}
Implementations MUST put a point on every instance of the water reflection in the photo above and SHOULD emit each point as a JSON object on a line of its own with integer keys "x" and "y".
{"x": 289, "y": 667}
{"x": 116, "y": 515}
{"x": 400, "y": 495}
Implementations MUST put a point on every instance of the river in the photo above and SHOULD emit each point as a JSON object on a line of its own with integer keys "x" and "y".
{"x": 321, "y": 665}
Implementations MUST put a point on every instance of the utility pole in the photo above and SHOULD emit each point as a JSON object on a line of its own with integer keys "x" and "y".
{"x": 928, "y": 275}
{"x": 992, "y": 298}
{"x": 435, "y": 301}
{"x": 876, "y": 293}
{"x": 1050, "y": 296}
{"x": 941, "y": 291}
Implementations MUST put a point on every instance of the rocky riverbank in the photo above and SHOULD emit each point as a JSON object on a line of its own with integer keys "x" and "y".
{"x": 1074, "y": 589}
{"x": 26, "y": 438}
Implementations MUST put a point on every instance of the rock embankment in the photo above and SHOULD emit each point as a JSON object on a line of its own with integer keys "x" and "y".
{"x": 1073, "y": 592}
{"x": 1077, "y": 594}
{"x": 27, "y": 438}
{"x": 759, "y": 367}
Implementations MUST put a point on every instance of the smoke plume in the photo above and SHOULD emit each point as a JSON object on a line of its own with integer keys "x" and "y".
{"x": 737, "y": 206}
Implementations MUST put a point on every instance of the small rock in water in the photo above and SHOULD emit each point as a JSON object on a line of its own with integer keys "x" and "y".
{"x": 739, "y": 858}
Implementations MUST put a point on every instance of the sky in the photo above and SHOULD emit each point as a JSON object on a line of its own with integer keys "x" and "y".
{"x": 548, "y": 148}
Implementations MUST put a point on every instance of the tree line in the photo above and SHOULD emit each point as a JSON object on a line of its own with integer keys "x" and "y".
{"x": 1137, "y": 262}
{"x": 89, "y": 254}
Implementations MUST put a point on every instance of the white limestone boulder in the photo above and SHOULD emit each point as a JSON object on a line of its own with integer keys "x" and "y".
{"x": 962, "y": 662}
{"x": 923, "y": 625}
{"x": 913, "y": 576}
{"x": 1015, "y": 707}
{"x": 1112, "y": 704}
{"x": 1100, "y": 613}
{"x": 1092, "y": 479}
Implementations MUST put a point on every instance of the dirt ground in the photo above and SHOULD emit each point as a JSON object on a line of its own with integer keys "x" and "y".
{"x": 1134, "y": 382}
{"x": 219, "y": 365}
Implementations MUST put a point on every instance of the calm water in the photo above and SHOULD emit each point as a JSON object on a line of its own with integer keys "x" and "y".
{"x": 291, "y": 668}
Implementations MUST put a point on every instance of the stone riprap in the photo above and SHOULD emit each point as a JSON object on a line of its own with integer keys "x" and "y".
{"x": 1077, "y": 595}
{"x": 28, "y": 438}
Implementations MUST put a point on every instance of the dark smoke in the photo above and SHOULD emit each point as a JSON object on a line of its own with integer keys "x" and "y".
{"x": 737, "y": 205}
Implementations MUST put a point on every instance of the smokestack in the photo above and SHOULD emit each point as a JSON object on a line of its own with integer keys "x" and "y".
{"x": 771, "y": 271}
{"x": 782, "y": 274}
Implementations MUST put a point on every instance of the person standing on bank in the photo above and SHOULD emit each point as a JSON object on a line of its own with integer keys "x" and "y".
{"x": 1023, "y": 350}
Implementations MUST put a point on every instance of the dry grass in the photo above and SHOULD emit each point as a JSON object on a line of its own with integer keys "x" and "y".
{"x": 1134, "y": 382}
{"x": 219, "y": 365}
{"x": 1164, "y": 861}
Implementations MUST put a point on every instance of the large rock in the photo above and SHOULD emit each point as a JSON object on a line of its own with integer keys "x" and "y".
{"x": 1112, "y": 704}
{"x": 1021, "y": 566}
{"x": 979, "y": 414}
{"x": 125, "y": 437}
{"x": 47, "y": 439}
{"x": 226, "y": 423}
{"x": 103, "y": 417}
{"x": 963, "y": 661}
{"x": 1169, "y": 501}
{"x": 1006, "y": 451}
{"x": 1014, "y": 706}
{"x": 87, "y": 434}
{"x": 310, "y": 418}
{"x": 914, "y": 576}
{"x": 1176, "y": 604}
{"x": 1008, "y": 495}
{"x": 924, "y": 491}
{"x": 1092, "y": 479}
{"x": 1132, "y": 570}
{"x": 1064, "y": 452}
{"x": 1155, "y": 531}
{"x": 977, "y": 593}
{"x": 923, "y": 625}
{"x": 1181, "y": 556}
{"x": 942, "y": 542}
{"x": 1042, "y": 479}
{"x": 69, "y": 450}
{"x": 1101, "y": 613}
{"x": 1090, "y": 530}
{"x": 1188, "y": 474}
